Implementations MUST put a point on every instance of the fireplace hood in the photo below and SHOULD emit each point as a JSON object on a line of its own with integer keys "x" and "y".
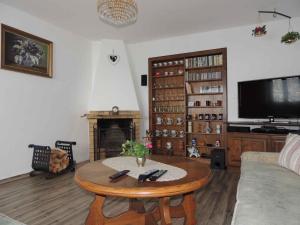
{"x": 112, "y": 79}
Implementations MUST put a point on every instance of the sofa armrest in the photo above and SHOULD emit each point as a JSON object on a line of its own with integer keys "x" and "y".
{"x": 264, "y": 157}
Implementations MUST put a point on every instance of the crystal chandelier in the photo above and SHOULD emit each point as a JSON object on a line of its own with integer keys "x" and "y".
{"x": 117, "y": 12}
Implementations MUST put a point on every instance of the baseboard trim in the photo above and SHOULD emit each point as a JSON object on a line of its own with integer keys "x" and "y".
{"x": 15, "y": 178}
{"x": 26, "y": 175}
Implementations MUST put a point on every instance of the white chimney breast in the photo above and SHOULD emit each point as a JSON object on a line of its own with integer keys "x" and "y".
{"x": 112, "y": 83}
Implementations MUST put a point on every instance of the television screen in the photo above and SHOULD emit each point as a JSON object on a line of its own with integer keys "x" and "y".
{"x": 277, "y": 97}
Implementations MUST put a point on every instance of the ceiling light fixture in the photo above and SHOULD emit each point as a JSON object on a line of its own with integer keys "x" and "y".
{"x": 117, "y": 12}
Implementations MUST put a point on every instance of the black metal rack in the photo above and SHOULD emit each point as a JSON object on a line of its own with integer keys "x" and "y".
{"x": 41, "y": 158}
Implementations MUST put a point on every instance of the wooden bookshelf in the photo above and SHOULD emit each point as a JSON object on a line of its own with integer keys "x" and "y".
{"x": 186, "y": 86}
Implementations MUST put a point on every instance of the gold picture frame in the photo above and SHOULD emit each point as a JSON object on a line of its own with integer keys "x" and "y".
{"x": 26, "y": 53}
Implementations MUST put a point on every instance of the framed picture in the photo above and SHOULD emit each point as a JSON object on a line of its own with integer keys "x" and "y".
{"x": 26, "y": 53}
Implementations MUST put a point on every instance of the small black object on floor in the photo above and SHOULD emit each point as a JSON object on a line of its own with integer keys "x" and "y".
{"x": 218, "y": 159}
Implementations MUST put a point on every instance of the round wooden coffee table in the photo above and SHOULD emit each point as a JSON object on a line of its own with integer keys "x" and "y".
{"x": 94, "y": 177}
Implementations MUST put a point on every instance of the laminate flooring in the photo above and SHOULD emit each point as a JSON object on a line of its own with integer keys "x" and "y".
{"x": 59, "y": 201}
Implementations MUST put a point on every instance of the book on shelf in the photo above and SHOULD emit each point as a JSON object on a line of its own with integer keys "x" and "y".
{"x": 210, "y": 60}
{"x": 204, "y": 61}
{"x": 188, "y": 88}
{"x": 220, "y": 59}
{"x": 215, "y": 60}
{"x": 211, "y": 89}
{"x": 197, "y": 76}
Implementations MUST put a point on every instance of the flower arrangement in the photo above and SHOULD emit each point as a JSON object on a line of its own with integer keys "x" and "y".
{"x": 290, "y": 37}
{"x": 259, "y": 31}
{"x": 132, "y": 148}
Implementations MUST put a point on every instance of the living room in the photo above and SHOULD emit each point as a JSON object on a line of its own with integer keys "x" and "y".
{"x": 97, "y": 72}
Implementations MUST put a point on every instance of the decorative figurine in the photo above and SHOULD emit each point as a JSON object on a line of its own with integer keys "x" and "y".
{"x": 190, "y": 127}
{"x": 169, "y": 148}
{"x": 194, "y": 141}
{"x": 218, "y": 143}
{"x": 193, "y": 150}
{"x": 218, "y": 129}
{"x": 207, "y": 128}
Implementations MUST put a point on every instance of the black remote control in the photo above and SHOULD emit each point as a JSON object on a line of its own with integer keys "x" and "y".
{"x": 157, "y": 175}
{"x": 144, "y": 176}
{"x": 118, "y": 174}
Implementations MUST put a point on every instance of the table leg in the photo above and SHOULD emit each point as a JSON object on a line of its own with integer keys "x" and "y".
{"x": 189, "y": 207}
{"x": 137, "y": 215}
{"x": 136, "y": 205}
{"x": 164, "y": 208}
{"x": 95, "y": 215}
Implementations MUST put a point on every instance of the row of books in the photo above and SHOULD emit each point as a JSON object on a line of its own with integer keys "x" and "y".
{"x": 197, "y": 76}
{"x": 211, "y": 89}
{"x": 204, "y": 61}
{"x": 204, "y": 89}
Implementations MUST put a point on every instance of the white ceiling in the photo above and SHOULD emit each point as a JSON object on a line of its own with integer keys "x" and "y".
{"x": 157, "y": 18}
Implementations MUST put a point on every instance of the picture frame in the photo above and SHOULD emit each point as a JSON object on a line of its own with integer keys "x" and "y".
{"x": 26, "y": 53}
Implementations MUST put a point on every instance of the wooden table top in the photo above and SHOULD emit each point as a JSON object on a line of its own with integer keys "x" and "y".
{"x": 94, "y": 177}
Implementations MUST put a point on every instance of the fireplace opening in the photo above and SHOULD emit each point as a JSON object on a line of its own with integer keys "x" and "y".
{"x": 110, "y": 134}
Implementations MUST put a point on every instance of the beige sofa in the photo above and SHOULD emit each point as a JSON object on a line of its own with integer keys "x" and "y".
{"x": 267, "y": 193}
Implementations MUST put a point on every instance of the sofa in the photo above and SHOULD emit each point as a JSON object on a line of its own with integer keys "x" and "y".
{"x": 267, "y": 194}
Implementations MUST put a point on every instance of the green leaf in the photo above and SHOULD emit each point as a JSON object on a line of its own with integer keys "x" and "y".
{"x": 131, "y": 148}
{"x": 290, "y": 37}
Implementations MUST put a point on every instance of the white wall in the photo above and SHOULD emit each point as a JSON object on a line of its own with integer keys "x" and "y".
{"x": 248, "y": 57}
{"x": 40, "y": 110}
{"x": 112, "y": 83}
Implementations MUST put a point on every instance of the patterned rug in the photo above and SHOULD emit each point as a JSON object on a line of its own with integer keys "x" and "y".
{"x": 5, "y": 220}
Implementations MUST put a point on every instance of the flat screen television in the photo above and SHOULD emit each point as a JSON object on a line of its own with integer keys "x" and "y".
{"x": 277, "y": 97}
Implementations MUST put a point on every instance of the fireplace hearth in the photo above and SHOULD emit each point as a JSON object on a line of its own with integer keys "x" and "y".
{"x": 107, "y": 132}
{"x": 110, "y": 134}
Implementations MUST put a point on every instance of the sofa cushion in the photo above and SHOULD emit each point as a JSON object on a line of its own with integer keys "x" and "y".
{"x": 267, "y": 195}
{"x": 290, "y": 154}
{"x": 263, "y": 157}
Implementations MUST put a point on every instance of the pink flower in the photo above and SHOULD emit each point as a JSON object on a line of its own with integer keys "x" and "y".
{"x": 149, "y": 145}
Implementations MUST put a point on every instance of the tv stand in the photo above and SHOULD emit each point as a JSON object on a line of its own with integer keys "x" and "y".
{"x": 269, "y": 137}
{"x": 272, "y": 130}
{"x": 239, "y": 142}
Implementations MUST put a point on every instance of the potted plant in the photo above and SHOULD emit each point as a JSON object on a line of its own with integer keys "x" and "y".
{"x": 259, "y": 31}
{"x": 140, "y": 151}
{"x": 290, "y": 37}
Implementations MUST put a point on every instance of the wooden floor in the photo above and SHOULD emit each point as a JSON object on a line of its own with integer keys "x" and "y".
{"x": 36, "y": 201}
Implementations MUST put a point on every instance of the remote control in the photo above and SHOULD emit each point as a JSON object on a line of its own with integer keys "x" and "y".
{"x": 144, "y": 176}
{"x": 118, "y": 174}
{"x": 157, "y": 175}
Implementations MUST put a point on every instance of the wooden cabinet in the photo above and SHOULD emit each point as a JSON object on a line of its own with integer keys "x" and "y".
{"x": 188, "y": 101}
{"x": 255, "y": 144}
{"x": 277, "y": 143}
{"x": 243, "y": 142}
{"x": 234, "y": 151}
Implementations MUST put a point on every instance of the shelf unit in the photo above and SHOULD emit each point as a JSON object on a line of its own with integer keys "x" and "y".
{"x": 177, "y": 80}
